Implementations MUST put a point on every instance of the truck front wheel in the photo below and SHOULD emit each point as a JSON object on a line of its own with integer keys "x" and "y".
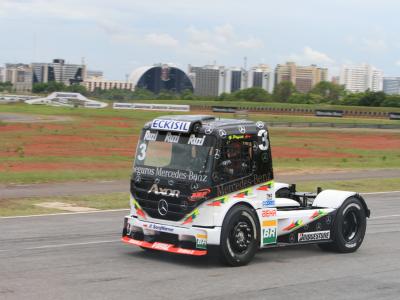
{"x": 239, "y": 236}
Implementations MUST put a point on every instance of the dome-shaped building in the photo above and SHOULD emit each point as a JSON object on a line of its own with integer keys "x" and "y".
{"x": 161, "y": 77}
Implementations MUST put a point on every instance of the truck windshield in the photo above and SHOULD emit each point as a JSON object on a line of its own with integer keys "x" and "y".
{"x": 176, "y": 156}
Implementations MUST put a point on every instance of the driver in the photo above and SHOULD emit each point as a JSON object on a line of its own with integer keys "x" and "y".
{"x": 234, "y": 164}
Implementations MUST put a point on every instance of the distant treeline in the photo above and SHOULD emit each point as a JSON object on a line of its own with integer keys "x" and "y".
{"x": 285, "y": 92}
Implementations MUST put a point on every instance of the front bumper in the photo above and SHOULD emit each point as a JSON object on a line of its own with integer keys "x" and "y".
{"x": 170, "y": 238}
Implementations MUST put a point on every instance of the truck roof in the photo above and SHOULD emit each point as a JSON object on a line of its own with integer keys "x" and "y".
{"x": 205, "y": 124}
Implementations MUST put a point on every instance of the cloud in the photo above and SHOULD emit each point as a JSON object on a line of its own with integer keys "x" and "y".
{"x": 250, "y": 43}
{"x": 311, "y": 56}
{"x": 375, "y": 45}
{"x": 397, "y": 63}
{"x": 161, "y": 39}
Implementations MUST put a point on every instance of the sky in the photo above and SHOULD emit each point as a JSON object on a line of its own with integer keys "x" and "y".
{"x": 120, "y": 35}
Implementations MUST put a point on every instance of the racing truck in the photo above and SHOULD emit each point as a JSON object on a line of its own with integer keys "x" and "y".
{"x": 202, "y": 184}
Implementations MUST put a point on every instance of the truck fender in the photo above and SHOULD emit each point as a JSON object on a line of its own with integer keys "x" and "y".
{"x": 280, "y": 185}
{"x": 334, "y": 199}
{"x": 220, "y": 216}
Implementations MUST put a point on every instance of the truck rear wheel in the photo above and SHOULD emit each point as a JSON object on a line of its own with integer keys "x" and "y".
{"x": 349, "y": 228}
{"x": 239, "y": 236}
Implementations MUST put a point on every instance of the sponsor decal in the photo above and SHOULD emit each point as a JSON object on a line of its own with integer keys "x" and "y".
{"x": 269, "y": 201}
{"x": 218, "y": 201}
{"x": 197, "y": 141}
{"x": 243, "y": 193}
{"x": 208, "y": 130}
{"x": 313, "y": 236}
{"x": 263, "y": 134}
{"x": 161, "y": 246}
{"x": 162, "y": 207}
{"x": 149, "y": 136}
{"x": 224, "y": 189}
{"x": 266, "y": 213}
{"x": 260, "y": 124}
{"x": 140, "y": 212}
{"x": 164, "y": 191}
{"x": 144, "y": 171}
{"x": 190, "y": 217}
{"x": 235, "y": 137}
{"x": 170, "y": 125}
{"x": 170, "y": 138}
{"x": 318, "y": 214}
{"x": 266, "y": 186}
{"x": 197, "y": 177}
{"x": 294, "y": 225}
{"x": 269, "y": 235}
{"x": 185, "y": 251}
{"x": 160, "y": 227}
{"x": 201, "y": 241}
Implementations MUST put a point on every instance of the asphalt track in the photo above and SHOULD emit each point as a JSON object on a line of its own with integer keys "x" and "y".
{"x": 79, "y": 256}
{"x": 112, "y": 186}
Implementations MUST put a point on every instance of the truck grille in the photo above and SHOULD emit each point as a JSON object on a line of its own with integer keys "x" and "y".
{"x": 177, "y": 207}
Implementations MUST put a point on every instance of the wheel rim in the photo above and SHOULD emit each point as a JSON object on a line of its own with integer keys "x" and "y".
{"x": 350, "y": 225}
{"x": 241, "y": 236}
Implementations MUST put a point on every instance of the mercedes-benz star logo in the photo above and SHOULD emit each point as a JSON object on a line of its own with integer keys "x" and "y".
{"x": 162, "y": 207}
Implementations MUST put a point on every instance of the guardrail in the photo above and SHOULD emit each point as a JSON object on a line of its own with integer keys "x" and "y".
{"x": 303, "y": 111}
{"x": 146, "y": 106}
{"x": 332, "y": 125}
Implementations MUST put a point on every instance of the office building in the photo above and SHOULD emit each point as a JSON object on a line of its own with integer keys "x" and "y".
{"x": 260, "y": 76}
{"x": 20, "y": 76}
{"x": 391, "y": 85}
{"x": 2, "y": 74}
{"x": 359, "y": 78}
{"x": 207, "y": 80}
{"x": 90, "y": 74}
{"x": 58, "y": 71}
{"x": 304, "y": 78}
{"x": 161, "y": 77}
{"x": 94, "y": 83}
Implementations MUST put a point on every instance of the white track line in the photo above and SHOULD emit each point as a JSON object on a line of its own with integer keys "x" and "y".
{"x": 71, "y": 213}
{"x": 62, "y": 245}
{"x": 377, "y": 193}
{"x": 385, "y": 217}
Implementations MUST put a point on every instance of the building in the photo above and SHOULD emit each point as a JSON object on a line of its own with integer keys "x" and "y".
{"x": 20, "y": 76}
{"x": 260, "y": 76}
{"x": 359, "y": 78}
{"x": 94, "y": 74}
{"x": 391, "y": 85}
{"x": 58, "y": 71}
{"x": 93, "y": 83}
{"x": 160, "y": 77}
{"x": 2, "y": 74}
{"x": 213, "y": 80}
{"x": 207, "y": 80}
{"x": 304, "y": 78}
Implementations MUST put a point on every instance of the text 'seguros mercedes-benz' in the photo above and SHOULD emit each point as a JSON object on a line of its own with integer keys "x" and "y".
{"x": 202, "y": 184}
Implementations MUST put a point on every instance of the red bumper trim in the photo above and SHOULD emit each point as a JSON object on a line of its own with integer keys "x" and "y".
{"x": 163, "y": 247}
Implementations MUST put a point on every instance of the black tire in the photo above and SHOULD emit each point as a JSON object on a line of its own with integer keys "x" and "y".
{"x": 349, "y": 228}
{"x": 240, "y": 236}
{"x": 283, "y": 193}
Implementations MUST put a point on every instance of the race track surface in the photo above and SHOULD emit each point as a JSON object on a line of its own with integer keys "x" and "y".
{"x": 79, "y": 256}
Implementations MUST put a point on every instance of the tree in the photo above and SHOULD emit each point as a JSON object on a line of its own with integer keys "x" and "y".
{"x": 329, "y": 91}
{"x": 283, "y": 91}
{"x": 391, "y": 101}
{"x": 253, "y": 94}
{"x": 6, "y": 87}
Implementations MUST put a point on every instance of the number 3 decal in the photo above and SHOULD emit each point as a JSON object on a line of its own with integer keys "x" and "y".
{"x": 264, "y": 144}
{"x": 142, "y": 151}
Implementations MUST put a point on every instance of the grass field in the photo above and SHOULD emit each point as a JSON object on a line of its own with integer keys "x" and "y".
{"x": 100, "y": 144}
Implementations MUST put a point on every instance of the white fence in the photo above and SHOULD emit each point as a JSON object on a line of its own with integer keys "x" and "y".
{"x": 146, "y": 106}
